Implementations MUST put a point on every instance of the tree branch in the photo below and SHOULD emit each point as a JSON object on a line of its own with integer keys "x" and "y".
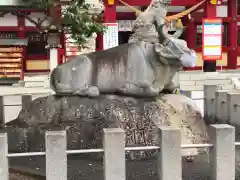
{"x": 38, "y": 25}
{"x": 44, "y": 19}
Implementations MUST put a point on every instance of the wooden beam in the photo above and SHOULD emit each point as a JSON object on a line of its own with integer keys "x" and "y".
{"x": 19, "y": 9}
{"x": 147, "y": 2}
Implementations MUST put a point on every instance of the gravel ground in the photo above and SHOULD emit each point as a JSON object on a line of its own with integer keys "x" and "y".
{"x": 83, "y": 168}
{"x": 80, "y": 168}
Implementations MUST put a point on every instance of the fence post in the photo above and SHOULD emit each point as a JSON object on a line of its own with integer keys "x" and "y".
{"x": 209, "y": 103}
{"x": 233, "y": 99}
{"x": 222, "y": 154}
{"x": 2, "y": 116}
{"x": 187, "y": 93}
{"x": 56, "y": 155}
{"x": 114, "y": 154}
{"x": 221, "y": 107}
{"x": 169, "y": 157}
{"x": 26, "y": 99}
{"x": 4, "y": 171}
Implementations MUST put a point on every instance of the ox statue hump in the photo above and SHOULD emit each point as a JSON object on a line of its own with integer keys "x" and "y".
{"x": 137, "y": 69}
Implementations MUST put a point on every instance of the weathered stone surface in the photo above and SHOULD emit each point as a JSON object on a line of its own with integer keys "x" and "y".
{"x": 84, "y": 119}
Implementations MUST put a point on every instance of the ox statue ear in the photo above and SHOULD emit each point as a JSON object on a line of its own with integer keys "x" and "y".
{"x": 163, "y": 32}
{"x": 178, "y": 32}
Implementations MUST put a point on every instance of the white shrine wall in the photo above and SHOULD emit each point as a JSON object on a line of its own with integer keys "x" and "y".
{"x": 9, "y": 2}
{"x": 8, "y": 20}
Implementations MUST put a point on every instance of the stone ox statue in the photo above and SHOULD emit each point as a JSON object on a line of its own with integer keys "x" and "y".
{"x": 135, "y": 69}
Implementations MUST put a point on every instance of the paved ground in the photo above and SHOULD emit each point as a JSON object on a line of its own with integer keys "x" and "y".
{"x": 82, "y": 169}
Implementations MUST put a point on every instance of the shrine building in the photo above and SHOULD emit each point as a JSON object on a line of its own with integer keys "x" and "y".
{"x": 22, "y": 47}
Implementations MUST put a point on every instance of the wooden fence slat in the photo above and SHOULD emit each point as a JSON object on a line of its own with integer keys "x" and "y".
{"x": 114, "y": 154}
{"x": 169, "y": 157}
{"x": 4, "y": 171}
{"x": 56, "y": 155}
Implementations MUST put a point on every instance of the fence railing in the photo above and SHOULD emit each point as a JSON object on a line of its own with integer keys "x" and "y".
{"x": 220, "y": 106}
{"x": 222, "y": 153}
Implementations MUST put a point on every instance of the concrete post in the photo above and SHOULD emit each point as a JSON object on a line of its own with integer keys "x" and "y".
{"x": 209, "y": 103}
{"x": 2, "y": 116}
{"x": 114, "y": 154}
{"x": 233, "y": 99}
{"x": 4, "y": 171}
{"x": 56, "y": 155}
{"x": 222, "y": 154}
{"x": 26, "y": 100}
{"x": 221, "y": 107}
{"x": 169, "y": 157}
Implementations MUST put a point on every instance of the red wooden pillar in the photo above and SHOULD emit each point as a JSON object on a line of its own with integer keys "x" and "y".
{"x": 110, "y": 16}
{"x": 55, "y": 13}
{"x": 21, "y": 35}
{"x": 210, "y": 11}
{"x": 190, "y": 34}
{"x": 232, "y": 35}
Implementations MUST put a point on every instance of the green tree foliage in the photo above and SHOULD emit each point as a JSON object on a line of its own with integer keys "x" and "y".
{"x": 78, "y": 18}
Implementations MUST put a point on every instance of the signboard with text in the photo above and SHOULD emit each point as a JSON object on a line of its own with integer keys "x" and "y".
{"x": 212, "y": 39}
{"x": 110, "y": 37}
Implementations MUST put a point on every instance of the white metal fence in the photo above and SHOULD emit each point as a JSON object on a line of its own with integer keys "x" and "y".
{"x": 222, "y": 153}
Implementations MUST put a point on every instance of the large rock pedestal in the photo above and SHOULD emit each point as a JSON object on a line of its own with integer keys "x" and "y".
{"x": 84, "y": 119}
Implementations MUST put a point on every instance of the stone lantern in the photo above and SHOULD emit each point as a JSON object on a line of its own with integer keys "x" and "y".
{"x": 53, "y": 40}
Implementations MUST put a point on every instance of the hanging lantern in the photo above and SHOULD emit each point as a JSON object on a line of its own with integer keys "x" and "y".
{"x": 110, "y": 2}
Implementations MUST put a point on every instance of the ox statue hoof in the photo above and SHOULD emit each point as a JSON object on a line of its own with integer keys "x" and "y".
{"x": 93, "y": 91}
{"x": 152, "y": 91}
{"x": 89, "y": 91}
